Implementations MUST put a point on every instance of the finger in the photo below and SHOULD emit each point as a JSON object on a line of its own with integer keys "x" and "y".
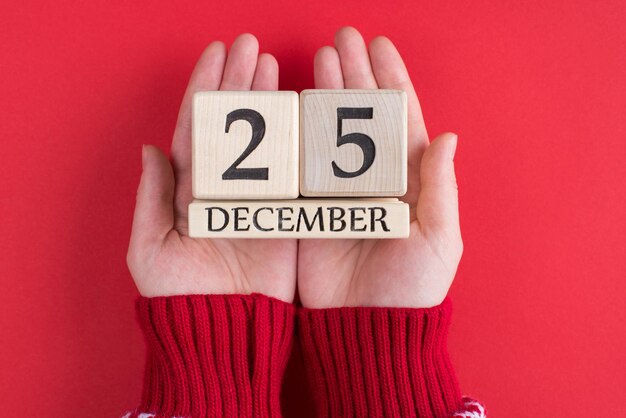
{"x": 154, "y": 214}
{"x": 241, "y": 63}
{"x": 391, "y": 73}
{"x": 266, "y": 73}
{"x": 355, "y": 62}
{"x": 327, "y": 69}
{"x": 437, "y": 206}
{"x": 207, "y": 75}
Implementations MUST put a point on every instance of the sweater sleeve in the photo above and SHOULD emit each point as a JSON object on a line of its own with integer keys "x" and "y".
{"x": 214, "y": 355}
{"x": 390, "y": 362}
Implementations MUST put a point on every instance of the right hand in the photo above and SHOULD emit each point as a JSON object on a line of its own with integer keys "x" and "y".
{"x": 162, "y": 259}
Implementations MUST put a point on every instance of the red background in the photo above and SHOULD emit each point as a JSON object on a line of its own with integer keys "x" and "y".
{"x": 535, "y": 89}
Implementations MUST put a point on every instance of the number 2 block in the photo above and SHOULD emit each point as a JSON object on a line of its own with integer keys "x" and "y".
{"x": 245, "y": 145}
{"x": 353, "y": 143}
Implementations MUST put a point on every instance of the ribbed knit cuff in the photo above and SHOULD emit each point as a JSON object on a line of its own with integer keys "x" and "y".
{"x": 214, "y": 355}
{"x": 380, "y": 362}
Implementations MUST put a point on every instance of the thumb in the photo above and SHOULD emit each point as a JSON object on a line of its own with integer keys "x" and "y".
{"x": 437, "y": 205}
{"x": 154, "y": 214}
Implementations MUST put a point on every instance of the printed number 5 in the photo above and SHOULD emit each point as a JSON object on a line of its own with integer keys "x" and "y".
{"x": 362, "y": 140}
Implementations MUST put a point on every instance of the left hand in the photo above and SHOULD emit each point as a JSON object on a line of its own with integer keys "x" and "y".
{"x": 415, "y": 272}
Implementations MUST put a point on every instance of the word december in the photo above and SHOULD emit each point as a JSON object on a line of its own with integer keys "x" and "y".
{"x": 296, "y": 219}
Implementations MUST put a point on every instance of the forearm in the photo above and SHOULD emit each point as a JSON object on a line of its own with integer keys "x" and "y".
{"x": 380, "y": 361}
{"x": 214, "y": 355}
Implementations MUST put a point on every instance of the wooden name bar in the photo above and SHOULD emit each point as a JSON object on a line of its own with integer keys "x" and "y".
{"x": 300, "y": 218}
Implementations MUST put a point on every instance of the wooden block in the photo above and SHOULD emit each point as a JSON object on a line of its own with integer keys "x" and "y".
{"x": 300, "y": 218}
{"x": 245, "y": 145}
{"x": 353, "y": 143}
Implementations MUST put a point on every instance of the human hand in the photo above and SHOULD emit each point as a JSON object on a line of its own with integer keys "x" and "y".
{"x": 162, "y": 259}
{"x": 414, "y": 272}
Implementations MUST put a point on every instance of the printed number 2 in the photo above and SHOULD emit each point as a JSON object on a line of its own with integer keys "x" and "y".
{"x": 257, "y": 123}
{"x": 362, "y": 140}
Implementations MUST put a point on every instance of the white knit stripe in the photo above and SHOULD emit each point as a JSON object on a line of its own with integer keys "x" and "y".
{"x": 142, "y": 415}
{"x": 479, "y": 411}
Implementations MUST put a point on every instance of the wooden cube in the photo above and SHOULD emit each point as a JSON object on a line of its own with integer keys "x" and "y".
{"x": 245, "y": 145}
{"x": 353, "y": 143}
{"x": 300, "y": 218}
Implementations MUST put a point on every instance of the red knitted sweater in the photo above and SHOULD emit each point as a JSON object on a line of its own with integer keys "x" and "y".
{"x": 224, "y": 355}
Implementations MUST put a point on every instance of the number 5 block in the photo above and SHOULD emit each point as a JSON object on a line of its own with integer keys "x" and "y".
{"x": 245, "y": 145}
{"x": 353, "y": 143}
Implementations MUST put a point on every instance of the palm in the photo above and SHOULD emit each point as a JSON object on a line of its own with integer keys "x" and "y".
{"x": 192, "y": 266}
{"x": 370, "y": 272}
{"x": 413, "y": 272}
{"x": 162, "y": 257}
